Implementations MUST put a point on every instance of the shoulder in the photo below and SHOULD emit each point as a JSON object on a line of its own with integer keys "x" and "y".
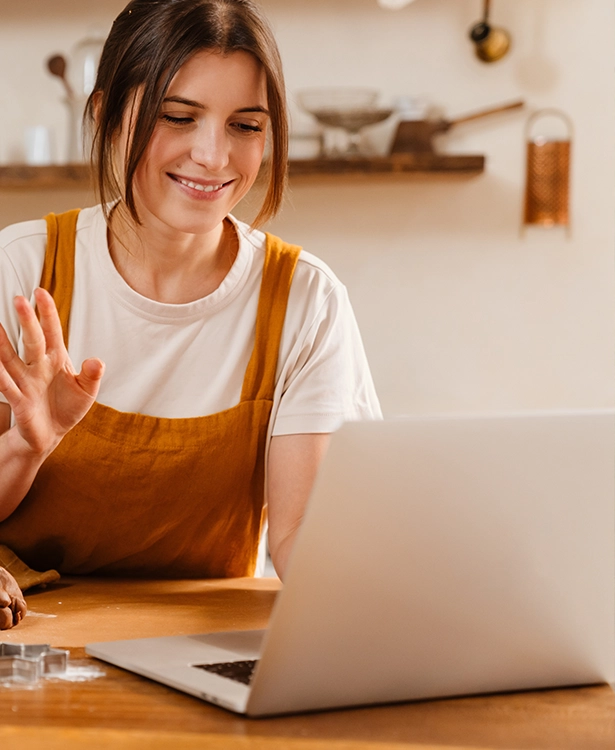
{"x": 22, "y": 252}
{"x": 91, "y": 218}
{"x": 33, "y": 234}
{"x": 313, "y": 280}
{"x": 24, "y": 233}
{"x": 312, "y": 270}
{"x": 23, "y": 245}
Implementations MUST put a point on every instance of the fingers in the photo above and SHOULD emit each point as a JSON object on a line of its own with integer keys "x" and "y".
{"x": 32, "y": 333}
{"x": 11, "y": 367}
{"x": 39, "y": 337}
{"x": 90, "y": 376}
{"x": 50, "y": 325}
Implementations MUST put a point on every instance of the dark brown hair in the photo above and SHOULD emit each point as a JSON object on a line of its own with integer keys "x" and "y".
{"x": 149, "y": 41}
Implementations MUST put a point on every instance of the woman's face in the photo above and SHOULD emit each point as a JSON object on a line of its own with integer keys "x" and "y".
{"x": 207, "y": 145}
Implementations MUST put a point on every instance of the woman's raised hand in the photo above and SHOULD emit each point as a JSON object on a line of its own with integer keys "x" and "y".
{"x": 46, "y": 395}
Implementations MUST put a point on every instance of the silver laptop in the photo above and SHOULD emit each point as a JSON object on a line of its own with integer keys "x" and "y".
{"x": 439, "y": 557}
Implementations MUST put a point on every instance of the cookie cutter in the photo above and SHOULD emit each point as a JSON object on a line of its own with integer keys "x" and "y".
{"x": 21, "y": 663}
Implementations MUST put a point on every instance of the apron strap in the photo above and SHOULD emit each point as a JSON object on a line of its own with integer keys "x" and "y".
{"x": 59, "y": 267}
{"x": 280, "y": 262}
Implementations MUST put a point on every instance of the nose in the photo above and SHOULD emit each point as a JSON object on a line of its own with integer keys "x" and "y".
{"x": 211, "y": 147}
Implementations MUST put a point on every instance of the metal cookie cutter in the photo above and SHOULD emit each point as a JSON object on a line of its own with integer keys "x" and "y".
{"x": 20, "y": 663}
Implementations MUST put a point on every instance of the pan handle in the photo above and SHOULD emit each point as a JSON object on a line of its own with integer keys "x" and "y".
{"x": 485, "y": 112}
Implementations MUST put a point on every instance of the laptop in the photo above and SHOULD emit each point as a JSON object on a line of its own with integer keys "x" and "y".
{"x": 439, "y": 556}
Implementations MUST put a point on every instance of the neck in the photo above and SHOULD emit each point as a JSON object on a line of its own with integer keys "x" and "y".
{"x": 169, "y": 267}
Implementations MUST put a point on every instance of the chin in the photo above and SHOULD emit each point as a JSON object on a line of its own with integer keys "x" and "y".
{"x": 197, "y": 220}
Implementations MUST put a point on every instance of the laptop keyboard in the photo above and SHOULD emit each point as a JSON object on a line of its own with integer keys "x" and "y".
{"x": 240, "y": 671}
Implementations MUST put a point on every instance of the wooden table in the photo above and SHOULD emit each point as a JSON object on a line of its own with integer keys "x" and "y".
{"x": 122, "y": 711}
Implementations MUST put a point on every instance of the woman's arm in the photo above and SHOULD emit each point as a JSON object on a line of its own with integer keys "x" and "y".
{"x": 19, "y": 465}
{"x": 292, "y": 468}
{"x": 12, "y": 604}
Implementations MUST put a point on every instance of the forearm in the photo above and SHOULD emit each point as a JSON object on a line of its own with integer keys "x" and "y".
{"x": 18, "y": 468}
{"x": 280, "y": 549}
{"x": 293, "y": 464}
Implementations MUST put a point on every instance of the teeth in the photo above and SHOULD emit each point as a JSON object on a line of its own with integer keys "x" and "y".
{"x": 197, "y": 186}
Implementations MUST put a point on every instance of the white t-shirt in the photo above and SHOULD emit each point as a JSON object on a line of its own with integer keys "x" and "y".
{"x": 189, "y": 360}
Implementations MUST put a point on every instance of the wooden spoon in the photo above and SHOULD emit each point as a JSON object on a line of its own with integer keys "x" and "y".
{"x": 56, "y": 65}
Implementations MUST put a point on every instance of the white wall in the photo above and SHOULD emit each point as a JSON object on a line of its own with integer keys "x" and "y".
{"x": 458, "y": 311}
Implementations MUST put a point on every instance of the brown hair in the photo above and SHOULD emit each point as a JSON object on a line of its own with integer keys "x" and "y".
{"x": 149, "y": 41}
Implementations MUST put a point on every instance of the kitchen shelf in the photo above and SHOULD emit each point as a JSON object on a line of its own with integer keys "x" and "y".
{"x": 396, "y": 164}
{"x": 77, "y": 176}
{"x": 55, "y": 177}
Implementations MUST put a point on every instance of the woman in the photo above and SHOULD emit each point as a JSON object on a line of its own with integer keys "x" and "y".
{"x": 229, "y": 356}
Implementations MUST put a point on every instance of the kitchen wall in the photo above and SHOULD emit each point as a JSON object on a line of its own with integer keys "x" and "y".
{"x": 458, "y": 310}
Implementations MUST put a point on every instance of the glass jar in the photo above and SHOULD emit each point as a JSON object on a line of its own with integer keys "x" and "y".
{"x": 83, "y": 64}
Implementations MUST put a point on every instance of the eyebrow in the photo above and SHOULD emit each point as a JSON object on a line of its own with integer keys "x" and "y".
{"x": 198, "y": 105}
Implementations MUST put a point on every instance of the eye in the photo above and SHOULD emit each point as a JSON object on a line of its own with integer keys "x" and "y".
{"x": 176, "y": 120}
{"x": 244, "y": 127}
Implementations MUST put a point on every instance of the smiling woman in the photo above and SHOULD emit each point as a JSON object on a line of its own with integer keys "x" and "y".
{"x": 228, "y": 355}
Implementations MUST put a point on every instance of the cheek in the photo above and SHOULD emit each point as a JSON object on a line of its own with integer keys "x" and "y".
{"x": 158, "y": 148}
{"x": 155, "y": 157}
{"x": 252, "y": 155}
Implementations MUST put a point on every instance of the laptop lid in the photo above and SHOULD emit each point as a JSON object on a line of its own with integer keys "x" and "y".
{"x": 446, "y": 556}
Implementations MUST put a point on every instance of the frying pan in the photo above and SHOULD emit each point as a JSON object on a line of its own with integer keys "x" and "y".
{"x": 417, "y": 135}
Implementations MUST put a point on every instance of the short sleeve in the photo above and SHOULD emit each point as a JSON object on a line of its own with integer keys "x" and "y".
{"x": 325, "y": 380}
{"x": 22, "y": 248}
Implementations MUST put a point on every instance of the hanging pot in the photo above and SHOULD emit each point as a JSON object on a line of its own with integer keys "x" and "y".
{"x": 491, "y": 43}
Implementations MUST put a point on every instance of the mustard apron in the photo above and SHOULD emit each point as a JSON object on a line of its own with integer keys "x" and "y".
{"x": 135, "y": 495}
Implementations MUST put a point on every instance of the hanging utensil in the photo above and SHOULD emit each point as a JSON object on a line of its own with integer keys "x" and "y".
{"x": 56, "y": 65}
{"x": 491, "y": 43}
{"x": 547, "y": 185}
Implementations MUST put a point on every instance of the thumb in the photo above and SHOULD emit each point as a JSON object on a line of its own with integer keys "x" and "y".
{"x": 90, "y": 376}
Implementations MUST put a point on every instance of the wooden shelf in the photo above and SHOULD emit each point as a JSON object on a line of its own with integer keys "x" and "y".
{"x": 77, "y": 176}
{"x": 56, "y": 177}
{"x": 397, "y": 164}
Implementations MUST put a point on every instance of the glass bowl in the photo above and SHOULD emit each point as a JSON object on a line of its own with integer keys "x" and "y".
{"x": 344, "y": 107}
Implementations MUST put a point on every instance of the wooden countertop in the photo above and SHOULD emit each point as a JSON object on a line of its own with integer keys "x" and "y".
{"x": 121, "y": 710}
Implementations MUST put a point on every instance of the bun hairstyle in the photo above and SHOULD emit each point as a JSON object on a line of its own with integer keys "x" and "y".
{"x": 149, "y": 42}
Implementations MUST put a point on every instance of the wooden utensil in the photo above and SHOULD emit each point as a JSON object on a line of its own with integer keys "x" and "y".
{"x": 56, "y": 65}
{"x": 417, "y": 135}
